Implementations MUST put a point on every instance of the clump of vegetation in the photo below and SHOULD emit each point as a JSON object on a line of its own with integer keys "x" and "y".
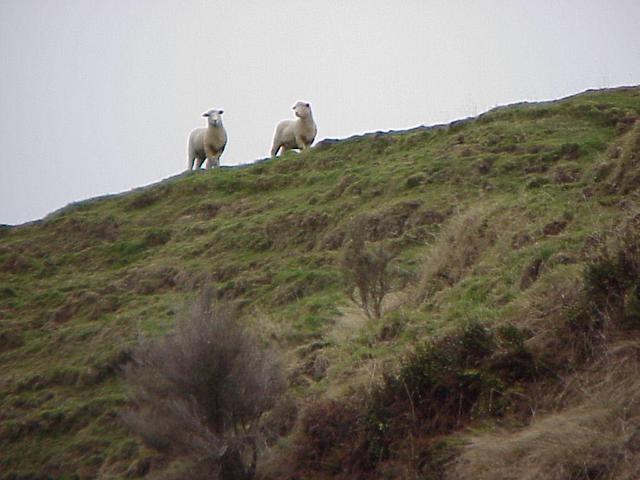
{"x": 439, "y": 387}
{"x": 593, "y": 433}
{"x": 328, "y": 430}
{"x": 612, "y": 283}
{"x": 367, "y": 270}
{"x": 595, "y": 441}
{"x": 627, "y": 175}
{"x": 457, "y": 249}
{"x": 200, "y": 393}
{"x": 610, "y": 299}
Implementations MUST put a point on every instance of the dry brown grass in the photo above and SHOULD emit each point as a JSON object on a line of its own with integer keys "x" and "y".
{"x": 586, "y": 423}
{"x": 543, "y": 309}
{"x": 627, "y": 172}
{"x": 458, "y": 247}
{"x": 597, "y": 437}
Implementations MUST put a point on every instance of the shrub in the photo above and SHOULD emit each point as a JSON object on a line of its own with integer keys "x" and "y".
{"x": 444, "y": 378}
{"x": 594, "y": 435}
{"x": 366, "y": 270}
{"x": 157, "y": 237}
{"x": 200, "y": 392}
{"x": 610, "y": 298}
{"x": 470, "y": 373}
{"x": 327, "y": 429}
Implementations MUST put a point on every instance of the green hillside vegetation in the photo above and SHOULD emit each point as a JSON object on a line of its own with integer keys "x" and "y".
{"x": 508, "y": 341}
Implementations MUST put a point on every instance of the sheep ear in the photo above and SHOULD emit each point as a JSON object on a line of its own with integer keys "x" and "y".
{"x": 205, "y": 114}
{"x": 307, "y": 105}
{"x": 220, "y": 112}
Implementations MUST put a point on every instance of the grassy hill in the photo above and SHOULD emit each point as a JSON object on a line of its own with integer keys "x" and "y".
{"x": 514, "y": 229}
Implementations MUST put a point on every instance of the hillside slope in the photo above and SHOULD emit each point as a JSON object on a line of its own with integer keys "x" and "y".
{"x": 492, "y": 220}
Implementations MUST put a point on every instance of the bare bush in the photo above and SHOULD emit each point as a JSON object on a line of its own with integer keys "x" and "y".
{"x": 366, "y": 270}
{"x": 201, "y": 391}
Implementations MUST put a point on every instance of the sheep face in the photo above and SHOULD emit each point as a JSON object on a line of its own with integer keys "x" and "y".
{"x": 302, "y": 109}
{"x": 214, "y": 117}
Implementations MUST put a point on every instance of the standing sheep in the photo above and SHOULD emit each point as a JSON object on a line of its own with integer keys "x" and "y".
{"x": 299, "y": 133}
{"x": 207, "y": 142}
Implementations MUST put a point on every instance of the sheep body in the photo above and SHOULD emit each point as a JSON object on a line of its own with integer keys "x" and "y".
{"x": 295, "y": 134}
{"x": 207, "y": 143}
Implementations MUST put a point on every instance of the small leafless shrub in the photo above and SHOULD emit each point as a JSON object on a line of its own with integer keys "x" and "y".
{"x": 366, "y": 269}
{"x": 200, "y": 392}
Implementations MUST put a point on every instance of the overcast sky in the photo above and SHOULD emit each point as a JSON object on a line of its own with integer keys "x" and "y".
{"x": 99, "y": 97}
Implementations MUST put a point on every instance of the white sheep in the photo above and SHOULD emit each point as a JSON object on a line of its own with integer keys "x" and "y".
{"x": 207, "y": 142}
{"x": 298, "y": 134}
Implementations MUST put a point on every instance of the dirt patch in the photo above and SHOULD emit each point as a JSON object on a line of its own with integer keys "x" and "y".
{"x": 152, "y": 280}
{"x": 531, "y": 273}
{"x": 555, "y": 227}
{"x": 333, "y": 240}
{"x": 567, "y": 174}
{"x": 520, "y": 240}
{"x": 148, "y": 197}
{"x": 17, "y": 263}
{"x": 340, "y": 187}
{"x": 415, "y": 180}
{"x": 427, "y": 216}
{"x": 483, "y": 167}
{"x": 296, "y": 228}
{"x": 10, "y": 339}
{"x": 207, "y": 210}
{"x": 91, "y": 305}
{"x": 390, "y": 223}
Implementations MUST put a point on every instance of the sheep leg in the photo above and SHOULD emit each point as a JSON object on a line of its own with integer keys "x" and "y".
{"x": 274, "y": 149}
{"x": 190, "y": 163}
{"x": 199, "y": 163}
{"x": 213, "y": 161}
{"x": 302, "y": 144}
{"x": 212, "y": 157}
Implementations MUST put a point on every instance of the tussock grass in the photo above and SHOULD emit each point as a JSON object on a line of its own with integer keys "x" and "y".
{"x": 458, "y": 247}
{"x": 626, "y": 177}
{"x": 589, "y": 421}
{"x": 594, "y": 438}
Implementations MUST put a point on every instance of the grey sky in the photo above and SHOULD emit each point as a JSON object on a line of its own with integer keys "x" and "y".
{"x": 99, "y": 96}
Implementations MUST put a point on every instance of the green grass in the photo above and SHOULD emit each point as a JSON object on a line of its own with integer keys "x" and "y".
{"x": 80, "y": 286}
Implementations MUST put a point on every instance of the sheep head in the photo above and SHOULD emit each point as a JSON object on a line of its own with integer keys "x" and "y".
{"x": 302, "y": 109}
{"x": 214, "y": 117}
